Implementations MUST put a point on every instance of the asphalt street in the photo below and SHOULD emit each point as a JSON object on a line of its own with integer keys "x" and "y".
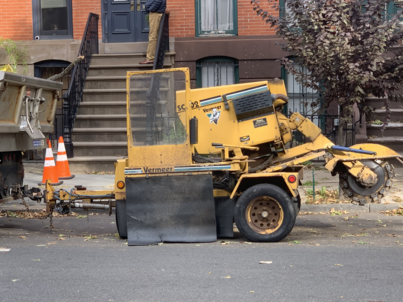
{"x": 349, "y": 257}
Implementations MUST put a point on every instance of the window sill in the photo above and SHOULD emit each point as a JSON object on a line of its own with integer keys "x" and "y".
{"x": 215, "y": 35}
{"x": 53, "y": 37}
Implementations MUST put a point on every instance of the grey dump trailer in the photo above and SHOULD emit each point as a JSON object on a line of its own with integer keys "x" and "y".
{"x": 27, "y": 111}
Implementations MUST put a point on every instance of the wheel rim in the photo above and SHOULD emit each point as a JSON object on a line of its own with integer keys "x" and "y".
{"x": 264, "y": 215}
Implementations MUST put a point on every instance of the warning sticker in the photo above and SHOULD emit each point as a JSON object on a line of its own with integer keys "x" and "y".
{"x": 260, "y": 122}
{"x": 214, "y": 116}
{"x": 245, "y": 138}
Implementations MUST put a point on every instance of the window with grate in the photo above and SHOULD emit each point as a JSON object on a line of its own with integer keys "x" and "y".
{"x": 217, "y": 71}
{"x": 216, "y": 17}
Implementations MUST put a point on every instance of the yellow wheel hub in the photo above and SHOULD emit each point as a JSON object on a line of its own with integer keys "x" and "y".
{"x": 264, "y": 215}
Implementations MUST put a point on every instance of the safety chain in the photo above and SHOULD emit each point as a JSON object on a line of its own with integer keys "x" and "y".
{"x": 51, "y": 219}
{"x": 26, "y": 205}
{"x": 23, "y": 200}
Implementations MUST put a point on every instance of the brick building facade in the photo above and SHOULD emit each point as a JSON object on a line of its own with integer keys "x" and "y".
{"x": 248, "y": 47}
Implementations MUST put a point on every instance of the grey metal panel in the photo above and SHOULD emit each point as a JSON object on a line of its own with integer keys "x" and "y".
{"x": 19, "y": 142}
{"x": 14, "y": 89}
{"x": 175, "y": 208}
{"x": 21, "y": 80}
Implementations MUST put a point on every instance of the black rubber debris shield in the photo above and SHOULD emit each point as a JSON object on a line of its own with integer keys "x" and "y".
{"x": 176, "y": 208}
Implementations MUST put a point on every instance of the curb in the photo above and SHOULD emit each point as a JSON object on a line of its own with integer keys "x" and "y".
{"x": 22, "y": 208}
{"x": 352, "y": 208}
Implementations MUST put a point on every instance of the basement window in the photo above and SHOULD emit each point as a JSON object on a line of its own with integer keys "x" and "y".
{"x": 217, "y": 71}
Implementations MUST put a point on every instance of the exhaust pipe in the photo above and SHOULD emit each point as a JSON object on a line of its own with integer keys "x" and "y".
{"x": 90, "y": 206}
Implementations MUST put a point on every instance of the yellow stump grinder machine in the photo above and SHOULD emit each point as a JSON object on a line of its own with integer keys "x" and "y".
{"x": 200, "y": 159}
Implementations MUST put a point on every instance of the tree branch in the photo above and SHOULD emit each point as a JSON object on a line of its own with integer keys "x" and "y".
{"x": 64, "y": 72}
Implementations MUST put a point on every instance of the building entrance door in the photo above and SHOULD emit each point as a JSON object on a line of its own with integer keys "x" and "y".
{"x": 125, "y": 21}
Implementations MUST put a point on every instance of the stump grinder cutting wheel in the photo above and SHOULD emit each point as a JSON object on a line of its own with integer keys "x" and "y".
{"x": 363, "y": 193}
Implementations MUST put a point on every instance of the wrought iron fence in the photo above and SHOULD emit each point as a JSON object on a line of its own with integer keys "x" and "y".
{"x": 73, "y": 97}
{"x": 311, "y": 105}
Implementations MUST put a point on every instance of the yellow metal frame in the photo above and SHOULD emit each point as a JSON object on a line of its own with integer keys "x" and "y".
{"x": 292, "y": 187}
{"x": 218, "y": 133}
{"x": 162, "y": 155}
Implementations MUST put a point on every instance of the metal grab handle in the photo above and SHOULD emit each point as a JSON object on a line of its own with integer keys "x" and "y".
{"x": 132, "y": 6}
{"x": 346, "y": 149}
{"x": 218, "y": 145}
{"x": 138, "y": 5}
{"x": 27, "y": 113}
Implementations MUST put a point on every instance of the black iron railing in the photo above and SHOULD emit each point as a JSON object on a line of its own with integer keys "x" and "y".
{"x": 73, "y": 97}
{"x": 163, "y": 42}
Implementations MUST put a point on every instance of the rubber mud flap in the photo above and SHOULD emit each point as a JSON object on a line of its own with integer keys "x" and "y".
{"x": 176, "y": 208}
{"x": 121, "y": 223}
{"x": 224, "y": 212}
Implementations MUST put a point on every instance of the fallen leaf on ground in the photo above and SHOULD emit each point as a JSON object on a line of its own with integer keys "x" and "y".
{"x": 4, "y": 250}
{"x": 251, "y": 291}
{"x": 90, "y": 237}
{"x": 41, "y": 245}
{"x": 82, "y": 216}
{"x": 61, "y": 238}
{"x": 265, "y": 262}
{"x": 15, "y": 280}
{"x": 23, "y": 237}
{"x": 161, "y": 243}
{"x": 339, "y": 264}
{"x": 36, "y": 259}
{"x": 227, "y": 277}
{"x": 224, "y": 242}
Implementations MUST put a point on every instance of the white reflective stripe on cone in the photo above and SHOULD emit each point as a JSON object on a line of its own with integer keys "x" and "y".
{"x": 61, "y": 148}
{"x": 49, "y": 152}
{"x": 49, "y": 163}
{"x": 62, "y": 157}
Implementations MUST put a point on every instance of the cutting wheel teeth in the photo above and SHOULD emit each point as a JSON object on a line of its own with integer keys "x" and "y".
{"x": 375, "y": 197}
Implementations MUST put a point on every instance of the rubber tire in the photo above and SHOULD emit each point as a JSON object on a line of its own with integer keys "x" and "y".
{"x": 121, "y": 220}
{"x": 271, "y": 191}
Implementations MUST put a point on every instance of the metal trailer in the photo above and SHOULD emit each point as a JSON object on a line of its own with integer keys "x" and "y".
{"x": 27, "y": 112}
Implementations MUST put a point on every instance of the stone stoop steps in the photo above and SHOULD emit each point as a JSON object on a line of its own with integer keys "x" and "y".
{"x": 99, "y": 134}
{"x": 392, "y": 136}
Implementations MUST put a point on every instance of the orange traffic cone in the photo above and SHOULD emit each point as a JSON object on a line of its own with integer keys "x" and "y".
{"x": 62, "y": 164}
{"x": 49, "y": 170}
